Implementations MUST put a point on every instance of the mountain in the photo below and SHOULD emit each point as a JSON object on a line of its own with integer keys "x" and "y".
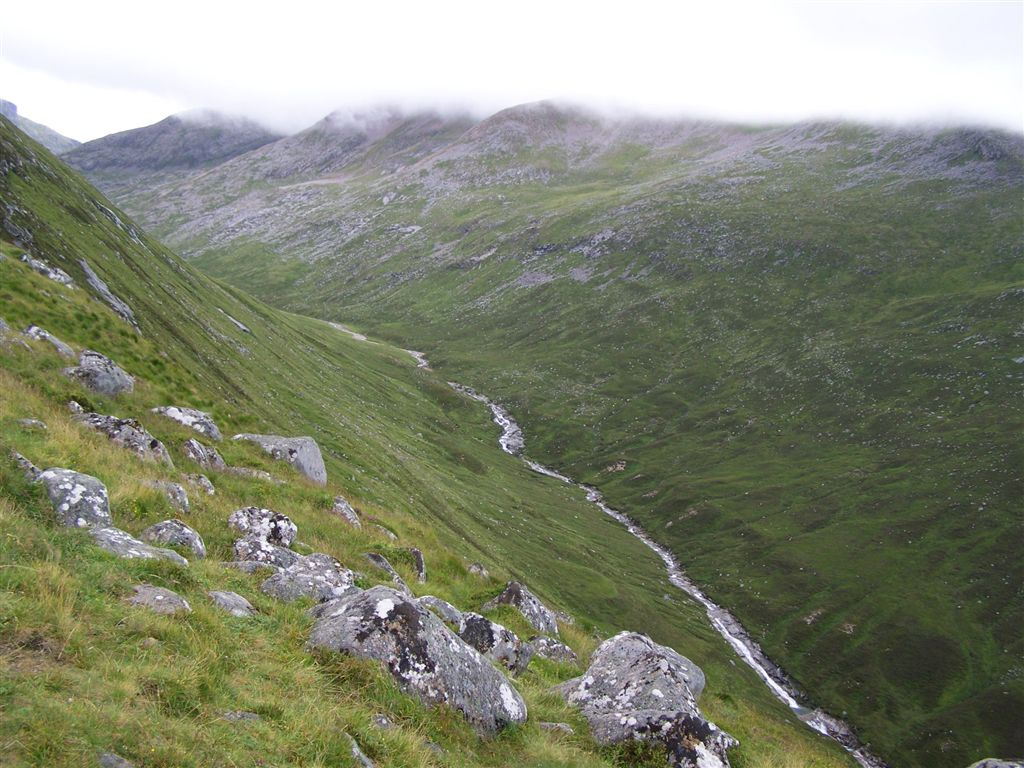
{"x": 87, "y": 673}
{"x": 796, "y": 344}
{"x": 49, "y": 138}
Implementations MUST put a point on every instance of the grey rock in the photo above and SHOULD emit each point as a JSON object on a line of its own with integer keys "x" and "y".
{"x": 317, "y": 576}
{"x": 358, "y": 755}
{"x": 35, "y": 332}
{"x": 553, "y": 650}
{"x": 174, "y": 492}
{"x": 495, "y": 642}
{"x": 387, "y": 534}
{"x": 301, "y": 452}
{"x": 121, "y": 309}
{"x": 565, "y": 618}
{"x": 421, "y": 564}
{"x": 56, "y": 274}
{"x": 232, "y": 602}
{"x": 75, "y": 407}
{"x": 203, "y": 483}
{"x": 31, "y": 471}
{"x": 382, "y": 562}
{"x": 557, "y": 727}
{"x": 203, "y": 455}
{"x": 251, "y": 566}
{"x": 33, "y": 424}
{"x": 200, "y": 421}
{"x": 110, "y": 760}
{"x": 79, "y": 500}
{"x": 174, "y": 533}
{"x": 637, "y": 690}
{"x": 442, "y": 608}
{"x": 101, "y": 374}
{"x": 345, "y": 511}
{"x": 240, "y": 716}
{"x": 539, "y": 615}
{"x": 271, "y": 526}
{"x": 382, "y": 722}
{"x": 256, "y": 549}
{"x": 127, "y": 433}
{"x": 123, "y": 544}
{"x": 993, "y": 762}
{"x": 477, "y": 569}
{"x": 159, "y": 600}
{"x": 426, "y": 658}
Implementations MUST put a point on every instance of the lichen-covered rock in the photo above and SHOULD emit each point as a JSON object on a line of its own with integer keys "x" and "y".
{"x": 993, "y": 762}
{"x": 175, "y": 493}
{"x": 265, "y": 523}
{"x": 174, "y": 533}
{"x": 442, "y": 608}
{"x": 553, "y": 650}
{"x": 425, "y": 657}
{"x": 495, "y": 642}
{"x": 256, "y": 549}
{"x": 301, "y": 452}
{"x": 123, "y": 544}
{"x": 33, "y": 424}
{"x": 539, "y": 615}
{"x": 421, "y": 564}
{"x": 358, "y": 755}
{"x": 127, "y": 433}
{"x": 203, "y": 455}
{"x": 203, "y": 483}
{"x": 159, "y": 600}
{"x": 232, "y": 602}
{"x": 385, "y": 532}
{"x": 100, "y": 374}
{"x": 345, "y": 511}
{"x": 56, "y": 274}
{"x": 110, "y": 760}
{"x": 477, "y": 569}
{"x": 241, "y": 716}
{"x": 638, "y": 690}
{"x": 200, "y": 421}
{"x": 31, "y": 471}
{"x": 40, "y": 334}
{"x": 382, "y": 562}
{"x": 317, "y": 576}
{"x": 121, "y": 308}
{"x": 79, "y": 500}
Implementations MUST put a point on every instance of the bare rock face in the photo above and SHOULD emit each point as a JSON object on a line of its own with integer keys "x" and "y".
{"x": 495, "y": 642}
{"x": 442, "y": 608}
{"x": 204, "y": 456}
{"x": 159, "y": 600}
{"x": 425, "y": 657}
{"x": 539, "y": 615}
{"x": 317, "y": 576}
{"x": 35, "y": 332}
{"x": 119, "y": 306}
{"x": 266, "y": 524}
{"x": 123, "y": 544}
{"x": 345, "y": 511}
{"x": 553, "y": 650}
{"x": 127, "y": 433}
{"x": 100, "y": 374}
{"x": 56, "y": 274}
{"x": 301, "y": 452}
{"x": 638, "y": 690}
{"x": 79, "y": 500}
{"x": 200, "y": 421}
{"x": 232, "y": 602}
{"x": 174, "y": 533}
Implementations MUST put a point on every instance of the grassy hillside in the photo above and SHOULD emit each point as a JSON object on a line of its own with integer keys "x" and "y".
{"x": 791, "y": 352}
{"x": 84, "y": 672}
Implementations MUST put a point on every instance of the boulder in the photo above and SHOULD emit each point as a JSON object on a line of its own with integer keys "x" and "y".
{"x": 477, "y": 569}
{"x": 79, "y": 500}
{"x": 993, "y": 762}
{"x": 301, "y": 452}
{"x": 539, "y": 615}
{"x": 557, "y": 728}
{"x": 345, "y": 511}
{"x": 385, "y": 532}
{"x": 40, "y": 334}
{"x": 203, "y": 483}
{"x": 637, "y": 690}
{"x": 382, "y": 562}
{"x": 553, "y": 650}
{"x": 358, "y": 755}
{"x": 159, "y": 600}
{"x": 110, "y": 760}
{"x": 240, "y": 716}
{"x": 442, "y": 608}
{"x": 30, "y": 470}
{"x": 127, "y": 433}
{"x": 101, "y": 374}
{"x": 495, "y": 642}
{"x": 232, "y": 602}
{"x": 204, "y": 456}
{"x": 421, "y": 564}
{"x": 256, "y": 549}
{"x": 33, "y": 424}
{"x": 123, "y": 544}
{"x": 200, "y": 421}
{"x": 175, "y": 494}
{"x": 271, "y": 526}
{"x": 317, "y": 576}
{"x": 56, "y": 274}
{"x": 174, "y": 533}
{"x": 426, "y": 658}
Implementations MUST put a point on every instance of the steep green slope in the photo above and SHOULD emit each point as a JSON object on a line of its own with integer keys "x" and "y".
{"x": 79, "y": 673}
{"x": 791, "y": 353}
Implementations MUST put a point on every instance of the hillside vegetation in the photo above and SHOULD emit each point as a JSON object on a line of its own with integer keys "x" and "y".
{"x": 84, "y": 672}
{"x": 793, "y": 353}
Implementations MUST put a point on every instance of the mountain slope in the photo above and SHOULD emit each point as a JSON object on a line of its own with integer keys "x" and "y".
{"x": 82, "y": 674}
{"x": 49, "y": 138}
{"x": 798, "y": 345}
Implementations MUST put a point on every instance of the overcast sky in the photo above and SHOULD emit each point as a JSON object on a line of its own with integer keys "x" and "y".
{"x": 91, "y": 68}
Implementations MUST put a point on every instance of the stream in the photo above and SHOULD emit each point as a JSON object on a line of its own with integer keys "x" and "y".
{"x": 512, "y": 442}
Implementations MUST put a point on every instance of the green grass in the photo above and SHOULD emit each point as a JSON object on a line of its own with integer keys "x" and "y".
{"x": 79, "y": 673}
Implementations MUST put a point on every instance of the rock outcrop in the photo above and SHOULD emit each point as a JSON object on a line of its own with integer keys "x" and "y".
{"x": 203, "y": 455}
{"x": 127, "y": 433}
{"x": 442, "y": 608}
{"x": 255, "y": 549}
{"x": 123, "y": 544}
{"x": 175, "y": 493}
{"x": 232, "y": 602}
{"x": 159, "y": 600}
{"x": 200, "y": 421}
{"x": 40, "y": 334}
{"x": 553, "y": 650}
{"x": 382, "y": 562}
{"x": 101, "y": 374}
{"x": 539, "y": 615}
{"x": 637, "y": 690}
{"x": 421, "y": 564}
{"x": 316, "y": 576}
{"x": 425, "y": 657}
{"x": 495, "y": 642}
{"x": 266, "y": 524}
{"x": 79, "y": 500}
{"x": 203, "y": 483}
{"x": 345, "y": 511}
{"x": 174, "y": 533}
{"x": 301, "y": 452}
{"x": 120, "y": 307}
